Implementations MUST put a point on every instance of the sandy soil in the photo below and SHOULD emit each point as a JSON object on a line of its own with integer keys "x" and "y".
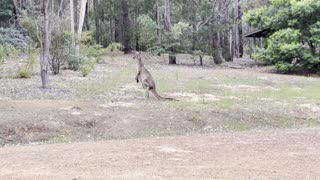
{"x": 281, "y": 154}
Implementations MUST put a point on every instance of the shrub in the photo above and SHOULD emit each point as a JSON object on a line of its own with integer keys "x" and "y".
{"x": 8, "y": 51}
{"x": 27, "y": 70}
{"x": 74, "y": 62}
{"x": 60, "y": 51}
{"x": 23, "y": 72}
{"x": 13, "y": 37}
{"x": 11, "y": 51}
{"x": 295, "y": 28}
{"x": 287, "y": 53}
{"x": 2, "y": 54}
{"x": 85, "y": 70}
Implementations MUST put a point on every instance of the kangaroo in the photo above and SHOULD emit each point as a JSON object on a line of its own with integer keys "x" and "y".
{"x": 145, "y": 78}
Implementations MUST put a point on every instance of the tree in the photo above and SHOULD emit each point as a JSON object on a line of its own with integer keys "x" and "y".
{"x": 294, "y": 43}
{"x": 126, "y": 27}
{"x": 72, "y": 20}
{"x": 81, "y": 21}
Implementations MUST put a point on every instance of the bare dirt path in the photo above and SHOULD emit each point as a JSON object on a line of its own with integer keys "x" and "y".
{"x": 276, "y": 154}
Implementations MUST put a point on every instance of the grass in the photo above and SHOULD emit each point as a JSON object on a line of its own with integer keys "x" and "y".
{"x": 249, "y": 99}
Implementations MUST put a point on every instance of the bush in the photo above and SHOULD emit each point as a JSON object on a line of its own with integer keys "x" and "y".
{"x": 85, "y": 70}
{"x": 75, "y": 62}
{"x": 287, "y": 53}
{"x": 27, "y": 70}
{"x": 13, "y": 37}
{"x": 2, "y": 54}
{"x": 60, "y": 51}
{"x": 8, "y": 51}
{"x": 23, "y": 72}
{"x": 295, "y": 41}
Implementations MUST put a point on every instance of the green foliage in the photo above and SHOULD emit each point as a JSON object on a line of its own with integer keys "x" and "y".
{"x": 75, "y": 62}
{"x": 285, "y": 50}
{"x": 148, "y": 32}
{"x": 315, "y": 33}
{"x": 8, "y": 51}
{"x": 96, "y": 51}
{"x": 59, "y": 51}
{"x": 114, "y": 46}
{"x": 23, "y": 73}
{"x": 13, "y": 37}
{"x": 26, "y": 71}
{"x": 296, "y": 34}
{"x": 179, "y": 39}
{"x": 29, "y": 26}
{"x": 87, "y": 38}
{"x": 2, "y": 54}
{"x": 85, "y": 70}
{"x": 87, "y": 67}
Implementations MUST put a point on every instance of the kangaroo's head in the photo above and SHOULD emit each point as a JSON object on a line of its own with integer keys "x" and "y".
{"x": 137, "y": 55}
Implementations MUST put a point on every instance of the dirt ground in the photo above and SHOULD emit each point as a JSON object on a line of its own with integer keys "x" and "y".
{"x": 280, "y": 154}
{"x": 233, "y": 120}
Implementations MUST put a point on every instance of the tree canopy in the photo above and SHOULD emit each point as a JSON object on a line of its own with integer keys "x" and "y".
{"x": 294, "y": 44}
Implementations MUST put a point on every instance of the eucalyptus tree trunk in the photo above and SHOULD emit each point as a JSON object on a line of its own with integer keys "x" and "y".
{"x": 216, "y": 49}
{"x": 87, "y": 16}
{"x": 81, "y": 21}
{"x": 168, "y": 28}
{"x": 167, "y": 18}
{"x": 44, "y": 54}
{"x": 240, "y": 31}
{"x": 75, "y": 14}
{"x": 97, "y": 21}
{"x": 158, "y": 23}
{"x": 126, "y": 27}
{"x": 72, "y": 23}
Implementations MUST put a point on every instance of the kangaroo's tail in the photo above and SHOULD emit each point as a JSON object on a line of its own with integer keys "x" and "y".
{"x": 155, "y": 93}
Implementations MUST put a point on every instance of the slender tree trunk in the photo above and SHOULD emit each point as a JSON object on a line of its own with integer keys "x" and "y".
{"x": 72, "y": 23}
{"x": 126, "y": 26}
{"x": 216, "y": 49}
{"x": 81, "y": 21}
{"x": 137, "y": 29}
{"x": 168, "y": 28}
{"x": 44, "y": 57}
{"x": 17, "y": 11}
{"x": 240, "y": 31}
{"x": 97, "y": 21}
{"x": 117, "y": 30}
{"x": 87, "y": 17}
{"x": 167, "y": 18}
{"x": 158, "y": 24}
{"x": 235, "y": 30}
{"x": 75, "y": 14}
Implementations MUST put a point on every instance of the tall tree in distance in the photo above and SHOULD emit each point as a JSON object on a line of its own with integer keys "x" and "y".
{"x": 240, "y": 31}
{"x": 81, "y": 22}
{"x": 72, "y": 23}
{"x": 126, "y": 27}
{"x": 167, "y": 17}
{"x": 97, "y": 20}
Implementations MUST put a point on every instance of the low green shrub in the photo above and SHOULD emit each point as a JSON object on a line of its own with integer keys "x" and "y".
{"x": 24, "y": 72}
{"x": 85, "y": 70}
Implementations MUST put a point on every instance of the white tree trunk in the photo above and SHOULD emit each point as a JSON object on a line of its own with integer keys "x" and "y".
{"x": 81, "y": 21}
{"x": 72, "y": 23}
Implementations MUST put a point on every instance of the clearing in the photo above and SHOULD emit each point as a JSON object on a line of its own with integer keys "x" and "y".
{"x": 216, "y": 105}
